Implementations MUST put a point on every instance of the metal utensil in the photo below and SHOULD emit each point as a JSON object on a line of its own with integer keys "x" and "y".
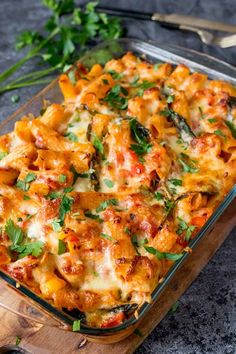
{"x": 209, "y": 38}
{"x": 171, "y": 20}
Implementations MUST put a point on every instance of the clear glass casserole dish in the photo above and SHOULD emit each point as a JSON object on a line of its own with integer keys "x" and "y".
{"x": 215, "y": 69}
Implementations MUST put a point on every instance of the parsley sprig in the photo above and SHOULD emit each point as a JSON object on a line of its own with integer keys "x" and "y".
{"x": 57, "y": 44}
{"x": 117, "y": 97}
{"x": 16, "y": 235}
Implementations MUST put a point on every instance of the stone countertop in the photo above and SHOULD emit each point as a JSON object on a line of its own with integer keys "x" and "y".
{"x": 205, "y": 320}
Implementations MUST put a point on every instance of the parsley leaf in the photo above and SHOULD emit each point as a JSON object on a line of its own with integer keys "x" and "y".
{"x": 14, "y": 232}
{"x": 106, "y": 237}
{"x": 163, "y": 255}
{"x": 61, "y": 247}
{"x": 220, "y": 133}
{"x": 3, "y": 154}
{"x": 65, "y": 207}
{"x": 76, "y": 326}
{"x": 175, "y": 181}
{"x": 106, "y": 204}
{"x": 34, "y": 248}
{"x": 62, "y": 178}
{"x": 188, "y": 165}
{"x": 231, "y": 127}
{"x": 25, "y": 184}
{"x": 90, "y": 215}
{"x": 170, "y": 99}
{"x": 116, "y": 97}
{"x": 97, "y": 143}
{"x": 56, "y": 225}
{"x": 72, "y": 137}
{"x": 115, "y": 74}
{"x": 108, "y": 183}
{"x": 183, "y": 227}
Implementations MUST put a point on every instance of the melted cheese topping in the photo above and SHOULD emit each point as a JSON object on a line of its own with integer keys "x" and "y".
{"x": 102, "y": 193}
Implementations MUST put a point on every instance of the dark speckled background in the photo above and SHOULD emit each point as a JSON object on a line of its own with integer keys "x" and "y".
{"x": 205, "y": 321}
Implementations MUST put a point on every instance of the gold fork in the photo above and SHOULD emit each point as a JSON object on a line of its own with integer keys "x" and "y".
{"x": 209, "y": 38}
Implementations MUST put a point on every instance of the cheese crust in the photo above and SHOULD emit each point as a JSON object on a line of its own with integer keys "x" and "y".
{"x": 100, "y": 194}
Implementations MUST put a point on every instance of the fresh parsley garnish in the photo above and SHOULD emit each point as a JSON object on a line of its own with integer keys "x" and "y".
{"x": 72, "y": 137}
{"x": 108, "y": 183}
{"x": 3, "y": 154}
{"x": 231, "y": 127}
{"x": 176, "y": 182}
{"x": 202, "y": 116}
{"x": 61, "y": 247}
{"x": 25, "y": 184}
{"x": 117, "y": 97}
{"x": 188, "y": 165}
{"x": 14, "y": 232}
{"x": 90, "y": 215}
{"x": 163, "y": 255}
{"x": 97, "y": 143}
{"x": 115, "y": 74}
{"x": 106, "y": 204}
{"x": 56, "y": 225}
{"x": 107, "y": 237}
{"x": 65, "y": 207}
{"x": 144, "y": 85}
{"x": 158, "y": 196}
{"x": 212, "y": 120}
{"x": 34, "y": 248}
{"x": 62, "y": 178}
{"x": 170, "y": 99}
{"x": 157, "y": 66}
{"x": 76, "y": 326}
{"x": 183, "y": 227}
{"x": 220, "y": 133}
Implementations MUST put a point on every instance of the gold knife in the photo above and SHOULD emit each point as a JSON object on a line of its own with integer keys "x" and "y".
{"x": 172, "y": 20}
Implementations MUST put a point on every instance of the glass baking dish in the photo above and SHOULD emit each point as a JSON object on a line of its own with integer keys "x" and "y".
{"x": 215, "y": 69}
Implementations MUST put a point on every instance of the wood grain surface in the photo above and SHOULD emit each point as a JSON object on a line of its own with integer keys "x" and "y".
{"x": 38, "y": 339}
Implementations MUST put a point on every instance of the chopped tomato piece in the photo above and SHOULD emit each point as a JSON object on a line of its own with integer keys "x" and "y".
{"x": 113, "y": 321}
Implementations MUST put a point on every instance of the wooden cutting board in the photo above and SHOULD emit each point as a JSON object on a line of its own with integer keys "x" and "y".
{"x": 38, "y": 339}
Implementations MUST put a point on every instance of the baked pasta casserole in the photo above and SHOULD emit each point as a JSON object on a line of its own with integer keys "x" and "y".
{"x": 102, "y": 193}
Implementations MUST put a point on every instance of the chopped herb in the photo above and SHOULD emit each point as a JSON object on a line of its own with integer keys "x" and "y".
{"x": 72, "y": 137}
{"x": 14, "y": 232}
{"x": 220, "y": 133}
{"x": 202, "y": 116}
{"x": 212, "y": 120}
{"x": 61, "y": 247}
{"x": 76, "y": 326}
{"x": 169, "y": 205}
{"x": 26, "y": 197}
{"x": 175, "y": 181}
{"x": 25, "y": 184}
{"x": 65, "y": 207}
{"x": 56, "y": 225}
{"x": 188, "y": 165}
{"x": 19, "y": 219}
{"x": 141, "y": 135}
{"x": 231, "y": 127}
{"x": 156, "y": 66}
{"x": 127, "y": 230}
{"x": 106, "y": 82}
{"x": 183, "y": 227}
{"x": 138, "y": 332}
{"x": 158, "y": 196}
{"x": 18, "y": 340}
{"x": 15, "y": 98}
{"x": 145, "y": 85}
{"x": 90, "y": 215}
{"x": 114, "y": 98}
{"x": 72, "y": 76}
{"x": 163, "y": 255}
{"x": 106, "y": 237}
{"x": 3, "y": 154}
{"x": 138, "y": 242}
{"x": 108, "y": 183}
{"x": 68, "y": 189}
{"x": 115, "y": 74}
{"x": 62, "y": 178}
{"x": 106, "y": 204}
{"x": 34, "y": 248}
{"x": 170, "y": 99}
{"x": 53, "y": 195}
{"x": 97, "y": 143}
{"x": 75, "y": 173}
